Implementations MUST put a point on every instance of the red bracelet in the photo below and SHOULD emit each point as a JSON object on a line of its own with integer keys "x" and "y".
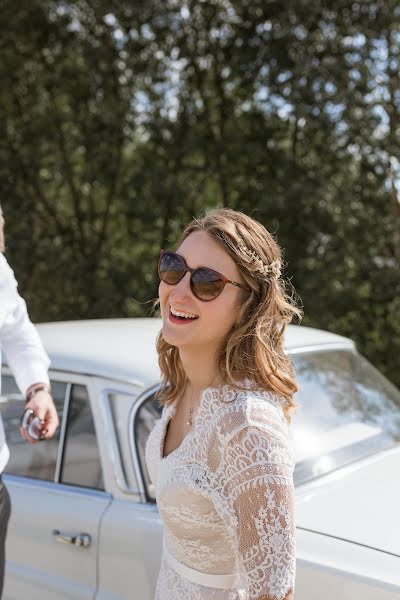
{"x": 35, "y": 388}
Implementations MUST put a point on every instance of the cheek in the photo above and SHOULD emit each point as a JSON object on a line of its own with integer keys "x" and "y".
{"x": 221, "y": 317}
{"x": 163, "y": 293}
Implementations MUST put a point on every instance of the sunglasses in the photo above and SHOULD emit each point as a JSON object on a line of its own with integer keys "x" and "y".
{"x": 206, "y": 284}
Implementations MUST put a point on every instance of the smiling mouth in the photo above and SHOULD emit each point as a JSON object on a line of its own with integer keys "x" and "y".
{"x": 180, "y": 316}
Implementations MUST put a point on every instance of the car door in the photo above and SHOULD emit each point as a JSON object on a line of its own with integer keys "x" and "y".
{"x": 57, "y": 497}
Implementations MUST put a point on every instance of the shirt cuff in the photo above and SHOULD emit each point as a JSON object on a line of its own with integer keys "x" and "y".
{"x": 35, "y": 372}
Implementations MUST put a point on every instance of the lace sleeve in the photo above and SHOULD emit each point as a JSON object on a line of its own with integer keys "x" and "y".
{"x": 258, "y": 486}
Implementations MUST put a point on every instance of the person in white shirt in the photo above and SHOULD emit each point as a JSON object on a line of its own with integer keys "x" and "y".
{"x": 29, "y": 363}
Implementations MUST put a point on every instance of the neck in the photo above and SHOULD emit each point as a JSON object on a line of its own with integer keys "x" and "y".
{"x": 201, "y": 367}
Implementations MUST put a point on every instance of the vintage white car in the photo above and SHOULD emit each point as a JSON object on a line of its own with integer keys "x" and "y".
{"x": 84, "y": 520}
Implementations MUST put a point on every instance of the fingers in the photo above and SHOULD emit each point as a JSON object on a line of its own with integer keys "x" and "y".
{"x": 51, "y": 421}
{"x": 42, "y": 407}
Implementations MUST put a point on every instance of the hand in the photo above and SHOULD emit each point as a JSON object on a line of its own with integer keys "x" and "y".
{"x": 43, "y": 407}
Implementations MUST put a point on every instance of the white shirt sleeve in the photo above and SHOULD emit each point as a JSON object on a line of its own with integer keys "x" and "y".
{"x": 18, "y": 336}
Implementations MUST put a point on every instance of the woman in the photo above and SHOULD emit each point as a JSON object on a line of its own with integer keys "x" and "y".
{"x": 220, "y": 456}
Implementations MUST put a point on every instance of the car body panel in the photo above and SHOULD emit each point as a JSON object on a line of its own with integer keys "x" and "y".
{"x": 357, "y": 503}
{"x": 334, "y": 569}
{"x": 130, "y": 551}
{"x": 36, "y": 561}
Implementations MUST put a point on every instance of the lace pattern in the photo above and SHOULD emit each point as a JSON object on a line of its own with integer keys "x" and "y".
{"x": 226, "y": 497}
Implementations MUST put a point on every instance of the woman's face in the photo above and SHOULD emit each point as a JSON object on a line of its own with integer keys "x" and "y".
{"x": 215, "y": 318}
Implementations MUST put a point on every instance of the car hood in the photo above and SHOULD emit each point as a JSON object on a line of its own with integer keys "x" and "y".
{"x": 359, "y": 503}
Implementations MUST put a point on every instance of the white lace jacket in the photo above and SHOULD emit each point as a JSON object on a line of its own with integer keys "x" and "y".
{"x": 226, "y": 499}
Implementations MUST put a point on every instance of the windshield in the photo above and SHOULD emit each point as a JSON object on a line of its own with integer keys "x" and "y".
{"x": 348, "y": 410}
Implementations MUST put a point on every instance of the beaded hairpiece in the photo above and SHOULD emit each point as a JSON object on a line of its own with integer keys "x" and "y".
{"x": 269, "y": 271}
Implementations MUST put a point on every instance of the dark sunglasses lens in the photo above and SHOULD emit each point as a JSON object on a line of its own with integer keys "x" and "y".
{"x": 171, "y": 268}
{"x": 206, "y": 284}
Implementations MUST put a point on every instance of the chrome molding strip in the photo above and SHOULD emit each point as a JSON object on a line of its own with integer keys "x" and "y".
{"x": 63, "y": 429}
{"x": 55, "y": 488}
{"x": 342, "y": 539}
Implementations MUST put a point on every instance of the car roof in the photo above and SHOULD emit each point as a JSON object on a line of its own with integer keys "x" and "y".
{"x": 124, "y": 349}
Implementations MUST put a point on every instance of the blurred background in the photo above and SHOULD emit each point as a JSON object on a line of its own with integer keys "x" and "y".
{"x": 121, "y": 120}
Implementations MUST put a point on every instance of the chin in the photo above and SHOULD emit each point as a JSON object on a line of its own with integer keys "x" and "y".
{"x": 171, "y": 337}
{"x": 176, "y": 338}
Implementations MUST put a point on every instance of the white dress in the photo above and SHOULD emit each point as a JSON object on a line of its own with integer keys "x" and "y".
{"x": 226, "y": 500}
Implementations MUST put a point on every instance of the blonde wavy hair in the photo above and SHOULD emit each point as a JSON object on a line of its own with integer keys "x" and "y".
{"x": 2, "y": 243}
{"x": 254, "y": 348}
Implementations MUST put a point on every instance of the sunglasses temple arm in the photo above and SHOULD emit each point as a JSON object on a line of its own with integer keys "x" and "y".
{"x": 239, "y": 285}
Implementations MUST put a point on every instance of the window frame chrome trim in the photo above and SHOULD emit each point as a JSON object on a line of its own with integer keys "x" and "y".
{"x": 59, "y": 488}
{"x": 115, "y": 454}
{"x": 141, "y": 399}
{"x": 63, "y": 430}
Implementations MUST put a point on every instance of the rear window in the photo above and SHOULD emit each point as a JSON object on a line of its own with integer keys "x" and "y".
{"x": 348, "y": 411}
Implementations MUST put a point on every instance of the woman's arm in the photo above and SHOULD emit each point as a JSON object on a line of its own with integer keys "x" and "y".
{"x": 259, "y": 488}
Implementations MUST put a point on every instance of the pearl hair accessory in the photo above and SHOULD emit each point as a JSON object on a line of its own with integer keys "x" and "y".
{"x": 270, "y": 271}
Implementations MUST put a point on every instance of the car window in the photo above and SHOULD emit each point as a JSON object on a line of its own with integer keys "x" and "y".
{"x": 348, "y": 410}
{"x": 147, "y": 415}
{"x": 38, "y": 460}
{"x": 81, "y": 460}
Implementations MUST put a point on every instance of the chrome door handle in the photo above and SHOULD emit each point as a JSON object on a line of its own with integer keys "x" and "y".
{"x": 80, "y": 540}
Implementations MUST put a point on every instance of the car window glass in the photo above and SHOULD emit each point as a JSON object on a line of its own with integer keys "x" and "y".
{"x": 81, "y": 461}
{"x": 348, "y": 410}
{"x": 146, "y": 418}
{"x": 38, "y": 460}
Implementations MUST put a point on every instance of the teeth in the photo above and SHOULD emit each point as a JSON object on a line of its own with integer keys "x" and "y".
{"x": 177, "y": 313}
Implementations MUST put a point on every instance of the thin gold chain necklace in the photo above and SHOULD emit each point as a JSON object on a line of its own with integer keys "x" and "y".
{"x": 189, "y": 421}
{"x": 190, "y": 417}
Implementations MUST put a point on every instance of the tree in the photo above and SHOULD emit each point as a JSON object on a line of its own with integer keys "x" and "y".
{"x": 121, "y": 121}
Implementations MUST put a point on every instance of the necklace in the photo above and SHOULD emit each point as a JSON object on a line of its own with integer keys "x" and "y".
{"x": 190, "y": 418}
{"x": 189, "y": 421}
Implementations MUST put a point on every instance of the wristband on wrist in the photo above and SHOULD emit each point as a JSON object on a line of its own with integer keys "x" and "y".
{"x": 35, "y": 388}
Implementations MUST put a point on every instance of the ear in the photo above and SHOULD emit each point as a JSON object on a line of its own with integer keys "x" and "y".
{"x": 244, "y": 301}
{"x": 241, "y": 310}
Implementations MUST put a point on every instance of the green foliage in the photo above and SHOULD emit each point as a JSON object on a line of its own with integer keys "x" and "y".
{"x": 120, "y": 121}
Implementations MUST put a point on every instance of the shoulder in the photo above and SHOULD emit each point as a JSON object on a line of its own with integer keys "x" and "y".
{"x": 254, "y": 407}
{"x": 254, "y": 417}
{"x": 8, "y": 288}
{"x": 7, "y": 278}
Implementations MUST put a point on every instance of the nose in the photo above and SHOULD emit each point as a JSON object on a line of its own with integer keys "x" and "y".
{"x": 182, "y": 289}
